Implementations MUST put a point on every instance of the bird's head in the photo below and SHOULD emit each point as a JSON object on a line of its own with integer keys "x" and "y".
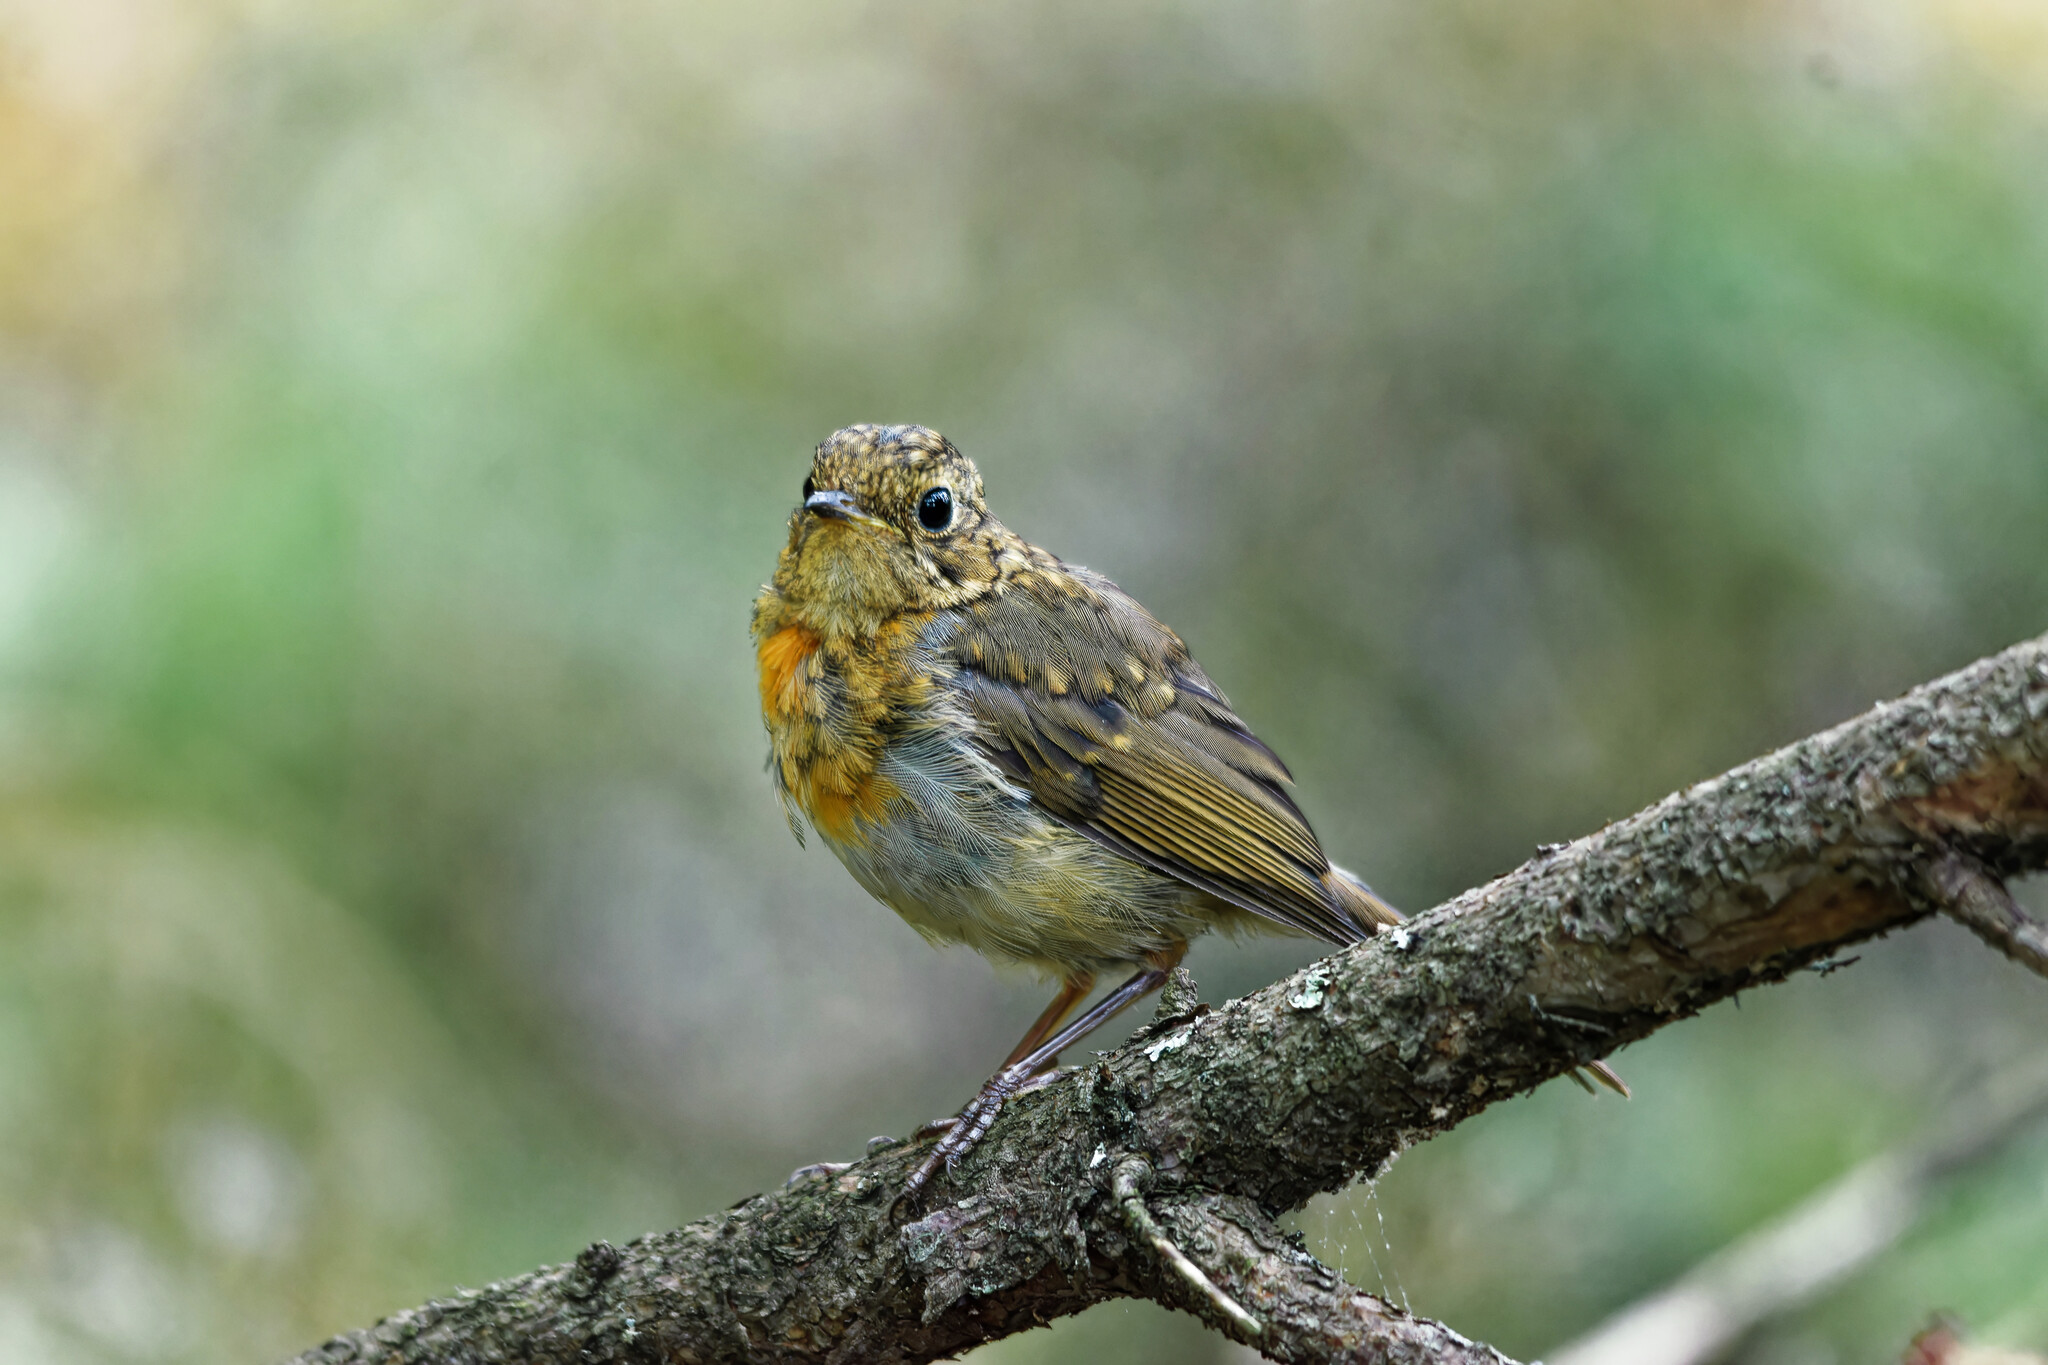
{"x": 892, "y": 520}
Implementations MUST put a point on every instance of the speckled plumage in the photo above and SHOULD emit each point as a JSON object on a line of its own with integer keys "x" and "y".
{"x": 1008, "y": 750}
{"x": 1012, "y": 753}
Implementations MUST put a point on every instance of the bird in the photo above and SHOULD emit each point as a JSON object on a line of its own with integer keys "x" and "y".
{"x": 1012, "y": 753}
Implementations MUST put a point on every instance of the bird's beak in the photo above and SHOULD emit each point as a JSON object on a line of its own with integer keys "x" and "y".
{"x": 837, "y": 506}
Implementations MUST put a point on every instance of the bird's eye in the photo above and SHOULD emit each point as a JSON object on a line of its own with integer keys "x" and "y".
{"x": 809, "y": 488}
{"x": 935, "y": 509}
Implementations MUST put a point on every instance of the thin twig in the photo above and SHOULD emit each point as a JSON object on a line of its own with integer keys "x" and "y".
{"x": 1126, "y": 1187}
{"x": 1312, "y": 1316}
{"x": 1974, "y": 898}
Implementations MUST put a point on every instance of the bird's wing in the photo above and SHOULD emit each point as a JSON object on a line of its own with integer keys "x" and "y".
{"x": 1097, "y": 709}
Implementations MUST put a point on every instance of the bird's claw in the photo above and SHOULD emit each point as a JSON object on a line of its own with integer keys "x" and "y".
{"x": 1042, "y": 1078}
{"x": 932, "y": 1129}
{"x": 965, "y": 1130}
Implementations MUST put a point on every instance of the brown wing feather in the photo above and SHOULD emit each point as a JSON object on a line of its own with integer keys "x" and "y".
{"x": 1098, "y": 711}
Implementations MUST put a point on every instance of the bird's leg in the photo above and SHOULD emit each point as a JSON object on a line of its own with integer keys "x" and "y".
{"x": 1073, "y": 991}
{"x": 981, "y": 1111}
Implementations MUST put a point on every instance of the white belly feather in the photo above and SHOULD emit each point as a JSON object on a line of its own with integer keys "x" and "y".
{"x": 965, "y": 856}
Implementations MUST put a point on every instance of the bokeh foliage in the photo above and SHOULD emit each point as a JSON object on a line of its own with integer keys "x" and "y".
{"x": 1522, "y": 408}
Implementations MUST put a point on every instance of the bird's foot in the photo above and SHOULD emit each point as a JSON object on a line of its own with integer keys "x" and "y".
{"x": 961, "y": 1133}
{"x": 926, "y": 1131}
{"x": 1043, "y": 1078}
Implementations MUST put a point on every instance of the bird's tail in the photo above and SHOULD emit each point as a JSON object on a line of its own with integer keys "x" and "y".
{"x": 1358, "y": 903}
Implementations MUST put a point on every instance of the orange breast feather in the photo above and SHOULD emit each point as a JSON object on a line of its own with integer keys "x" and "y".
{"x": 832, "y": 778}
{"x": 783, "y": 656}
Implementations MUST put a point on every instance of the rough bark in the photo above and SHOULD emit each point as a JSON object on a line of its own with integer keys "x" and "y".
{"x": 1214, "y": 1122}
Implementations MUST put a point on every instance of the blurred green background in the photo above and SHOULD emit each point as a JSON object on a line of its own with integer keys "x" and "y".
{"x": 1523, "y": 408}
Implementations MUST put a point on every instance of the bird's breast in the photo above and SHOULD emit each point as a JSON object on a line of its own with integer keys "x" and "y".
{"x": 832, "y": 708}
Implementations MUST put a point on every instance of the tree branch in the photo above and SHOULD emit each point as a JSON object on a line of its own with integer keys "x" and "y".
{"x": 1980, "y": 903}
{"x": 1249, "y": 1109}
{"x": 1307, "y": 1313}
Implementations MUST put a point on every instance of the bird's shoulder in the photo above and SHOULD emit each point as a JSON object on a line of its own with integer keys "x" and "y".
{"x": 1062, "y": 630}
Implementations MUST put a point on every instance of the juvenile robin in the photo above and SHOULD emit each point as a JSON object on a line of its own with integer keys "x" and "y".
{"x": 1011, "y": 753}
